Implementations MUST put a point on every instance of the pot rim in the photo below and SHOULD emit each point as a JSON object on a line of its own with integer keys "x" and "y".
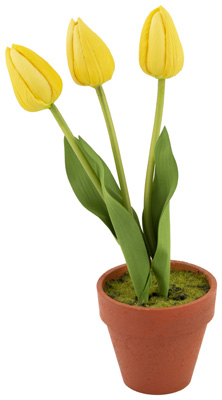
{"x": 211, "y": 280}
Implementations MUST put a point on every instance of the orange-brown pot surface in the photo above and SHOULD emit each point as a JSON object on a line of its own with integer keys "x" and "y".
{"x": 157, "y": 348}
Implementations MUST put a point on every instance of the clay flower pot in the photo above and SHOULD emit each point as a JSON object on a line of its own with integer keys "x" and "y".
{"x": 157, "y": 348}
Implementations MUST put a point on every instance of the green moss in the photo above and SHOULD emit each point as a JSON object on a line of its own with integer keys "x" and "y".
{"x": 185, "y": 286}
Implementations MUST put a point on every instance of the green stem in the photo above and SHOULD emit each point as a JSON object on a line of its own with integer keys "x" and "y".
{"x": 147, "y": 217}
{"x": 74, "y": 145}
{"x": 115, "y": 148}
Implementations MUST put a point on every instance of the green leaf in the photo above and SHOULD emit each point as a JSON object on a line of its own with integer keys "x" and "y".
{"x": 93, "y": 158}
{"x": 126, "y": 226}
{"x": 84, "y": 188}
{"x": 164, "y": 185}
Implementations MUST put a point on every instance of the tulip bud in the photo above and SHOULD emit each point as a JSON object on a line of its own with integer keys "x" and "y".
{"x": 160, "y": 51}
{"x": 36, "y": 84}
{"x": 89, "y": 59}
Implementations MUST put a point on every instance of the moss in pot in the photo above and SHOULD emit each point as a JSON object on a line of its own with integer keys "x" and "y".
{"x": 184, "y": 287}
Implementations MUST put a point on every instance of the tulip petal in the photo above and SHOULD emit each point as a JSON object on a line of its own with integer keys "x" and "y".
{"x": 91, "y": 45}
{"x": 170, "y": 56}
{"x": 156, "y": 51}
{"x": 44, "y": 68}
{"x": 144, "y": 40}
{"x": 70, "y": 50}
{"x": 99, "y": 52}
{"x": 24, "y": 96}
{"x": 80, "y": 61}
{"x": 174, "y": 50}
{"x": 35, "y": 81}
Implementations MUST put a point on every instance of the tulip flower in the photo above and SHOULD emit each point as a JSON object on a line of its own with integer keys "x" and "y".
{"x": 36, "y": 84}
{"x": 89, "y": 59}
{"x": 161, "y": 56}
{"x": 91, "y": 64}
{"x": 160, "y": 51}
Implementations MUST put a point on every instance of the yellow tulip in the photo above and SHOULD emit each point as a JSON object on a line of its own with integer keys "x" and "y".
{"x": 89, "y": 59}
{"x": 36, "y": 84}
{"x": 160, "y": 51}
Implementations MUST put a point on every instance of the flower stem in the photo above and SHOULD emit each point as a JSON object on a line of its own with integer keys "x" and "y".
{"x": 75, "y": 147}
{"x": 115, "y": 148}
{"x": 147, "y": 216}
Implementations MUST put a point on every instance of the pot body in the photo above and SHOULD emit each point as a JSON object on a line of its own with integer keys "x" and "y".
{"x": 157, "y": 348}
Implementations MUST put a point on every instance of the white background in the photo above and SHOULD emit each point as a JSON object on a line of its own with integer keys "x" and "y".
{"x": 53, "y": 344}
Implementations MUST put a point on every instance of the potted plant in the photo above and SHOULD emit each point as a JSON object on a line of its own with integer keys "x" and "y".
{"x": 156, "y": 309}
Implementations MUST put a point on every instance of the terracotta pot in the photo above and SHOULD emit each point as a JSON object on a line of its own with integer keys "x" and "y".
{"x": 157, "y": 348}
